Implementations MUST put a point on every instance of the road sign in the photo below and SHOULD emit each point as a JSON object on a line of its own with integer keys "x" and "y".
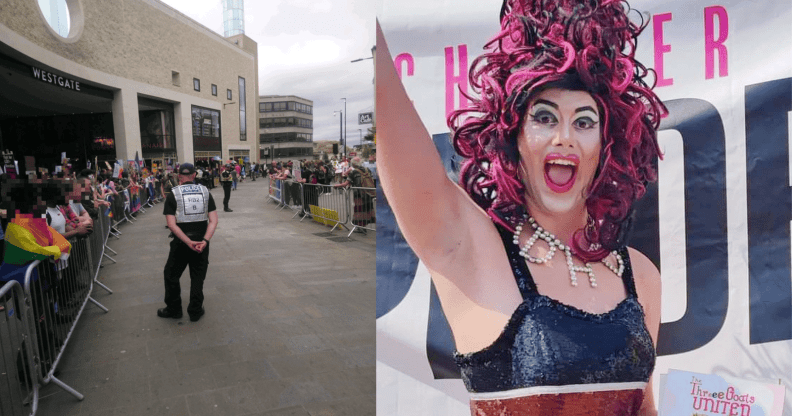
{"x": 365, "y": 118}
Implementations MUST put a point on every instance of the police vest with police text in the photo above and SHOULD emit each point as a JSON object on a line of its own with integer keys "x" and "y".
{"x": 192, "y": 203}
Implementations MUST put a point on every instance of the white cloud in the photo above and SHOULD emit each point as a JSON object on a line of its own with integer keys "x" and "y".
{"x": 298, "y": 51}
{"x": 305, "y": 48}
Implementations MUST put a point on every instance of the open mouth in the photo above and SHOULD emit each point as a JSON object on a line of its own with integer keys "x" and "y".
{"x": 560, "y": 172}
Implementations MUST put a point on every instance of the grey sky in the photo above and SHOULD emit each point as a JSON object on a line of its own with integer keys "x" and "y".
{"x": 305, "y": 48}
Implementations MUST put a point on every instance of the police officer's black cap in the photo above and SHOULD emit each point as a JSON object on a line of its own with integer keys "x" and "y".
{"x": 186, "y": 169}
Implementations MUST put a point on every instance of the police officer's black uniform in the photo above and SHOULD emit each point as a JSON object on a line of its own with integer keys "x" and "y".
{"x": 191, "y": 204}
{"x": 226, "y": 178}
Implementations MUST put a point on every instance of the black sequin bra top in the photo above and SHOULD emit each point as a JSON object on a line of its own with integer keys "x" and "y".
{"x": 555, "y": 359}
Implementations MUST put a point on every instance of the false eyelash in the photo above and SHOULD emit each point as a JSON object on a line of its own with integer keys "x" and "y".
{"x": 594, "y": 124}
{"x": 533, "y": 116}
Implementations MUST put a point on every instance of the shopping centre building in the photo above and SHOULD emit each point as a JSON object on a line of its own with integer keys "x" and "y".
{"x": 125, "y": 78}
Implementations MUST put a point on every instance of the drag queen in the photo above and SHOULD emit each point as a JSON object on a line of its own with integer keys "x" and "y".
{"x": 551, "y": 313}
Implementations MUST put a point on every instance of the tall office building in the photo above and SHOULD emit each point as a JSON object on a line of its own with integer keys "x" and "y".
{"x": 285, "y": 128}
{"x": 233, "y": 17}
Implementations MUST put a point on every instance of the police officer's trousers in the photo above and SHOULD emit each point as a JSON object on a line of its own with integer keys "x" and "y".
{"x": 179, "y": 257}
{"x": 226, "y": 193}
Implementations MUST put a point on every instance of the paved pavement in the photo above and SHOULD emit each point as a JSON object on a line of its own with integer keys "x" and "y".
{"x": 288, "y": 330}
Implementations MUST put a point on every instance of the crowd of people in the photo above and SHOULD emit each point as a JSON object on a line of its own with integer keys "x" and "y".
{"x": 47, "y": 217}
{"x": 72, "y": 201}
{"x": 333, "y": 173}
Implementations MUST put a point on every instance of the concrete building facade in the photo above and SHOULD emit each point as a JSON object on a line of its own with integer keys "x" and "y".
{"x": 285, "y": 128}
{"x": 131, "y": 77}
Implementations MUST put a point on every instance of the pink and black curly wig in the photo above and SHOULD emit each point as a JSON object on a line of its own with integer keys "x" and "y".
{"x": 586, "y": 45}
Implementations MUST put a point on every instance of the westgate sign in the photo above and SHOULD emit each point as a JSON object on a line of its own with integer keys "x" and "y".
{"x": 55, "y": 79}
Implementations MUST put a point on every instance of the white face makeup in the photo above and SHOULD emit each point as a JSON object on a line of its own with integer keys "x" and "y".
{"x": 559, "y": 147}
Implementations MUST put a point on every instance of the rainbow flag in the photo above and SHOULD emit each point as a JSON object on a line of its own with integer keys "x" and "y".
{"x": 28, "y": 239}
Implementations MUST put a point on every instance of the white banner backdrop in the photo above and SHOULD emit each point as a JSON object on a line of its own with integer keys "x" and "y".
{"x": 726, "y": 65}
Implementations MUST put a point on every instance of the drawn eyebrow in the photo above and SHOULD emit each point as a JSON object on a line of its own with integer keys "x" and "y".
{"x": 586, "y": 108}
{"x": 555, "y": 106}
{"x": 550, "y": 103}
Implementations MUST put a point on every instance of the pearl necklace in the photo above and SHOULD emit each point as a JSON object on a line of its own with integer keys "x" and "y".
{"x": 554, "y": 243}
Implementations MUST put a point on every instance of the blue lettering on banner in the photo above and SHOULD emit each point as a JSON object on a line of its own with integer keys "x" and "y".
{"x": 767, "y": 106}
{"x": 706, "y": 237}
{"x": 396, "y": 262}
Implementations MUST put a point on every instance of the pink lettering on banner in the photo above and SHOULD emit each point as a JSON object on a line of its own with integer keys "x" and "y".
{"x": 711, "y": 43}
{"x": 660, "y": 49}
{"x": 461, "y": 78}
{"x": 404, "y": 58}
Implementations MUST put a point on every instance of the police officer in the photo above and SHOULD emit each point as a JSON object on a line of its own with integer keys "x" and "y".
{"x": 226, "y": 178}
{"x": 192, "y": 218}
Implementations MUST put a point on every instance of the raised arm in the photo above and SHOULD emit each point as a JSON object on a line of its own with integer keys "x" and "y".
{"x": 428, "y": 206}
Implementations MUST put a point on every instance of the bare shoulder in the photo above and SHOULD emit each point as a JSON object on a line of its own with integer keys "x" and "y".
{"x": 643, "y": 268}
{"x": 648, "y": 287}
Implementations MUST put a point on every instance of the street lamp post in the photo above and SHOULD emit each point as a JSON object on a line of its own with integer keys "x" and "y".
{"x": 345, "y": 127}
{"x": 340, "y": 130}
{"x": 360, "y": 143}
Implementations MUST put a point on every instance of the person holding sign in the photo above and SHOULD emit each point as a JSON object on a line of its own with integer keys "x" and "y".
{"x": 550, "y": 312}
{"x": 192, "y": 218}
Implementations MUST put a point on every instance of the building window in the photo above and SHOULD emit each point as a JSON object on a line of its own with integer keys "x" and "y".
{"x": 62, "y": 16}
{"x": 156, "y": 130}
{"x": 228, "y": 94}
{"x": 206, "y": 129}
{"x": 285, "y": 122}
{"x": 285, "y": 137}
{"x": 284, "y": 106}
{"x": 242, "y": 108}
{"x": 196, "y": 84}
{"x": 175, "y": 78}
{"x": 287, "y": 152}
{"x": 214, "y": 90}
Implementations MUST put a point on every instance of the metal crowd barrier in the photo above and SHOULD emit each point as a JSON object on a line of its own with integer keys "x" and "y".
{"x": 111, "y": 223}
{"x": 325, "y": 204}
{"x": 18, "y": 382}
{"x": 353, "y": 208}
{"x": 291, "y": 196}
{"x": 120, "y": 206}
{"x": 39, "y": 318}
{"x": 98, "y": 243}
{"x": 275, "y": 191}
{"x": 128, "y": 206}
{"x": 58, "y": 294}
{"x": 364, "y": 209}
